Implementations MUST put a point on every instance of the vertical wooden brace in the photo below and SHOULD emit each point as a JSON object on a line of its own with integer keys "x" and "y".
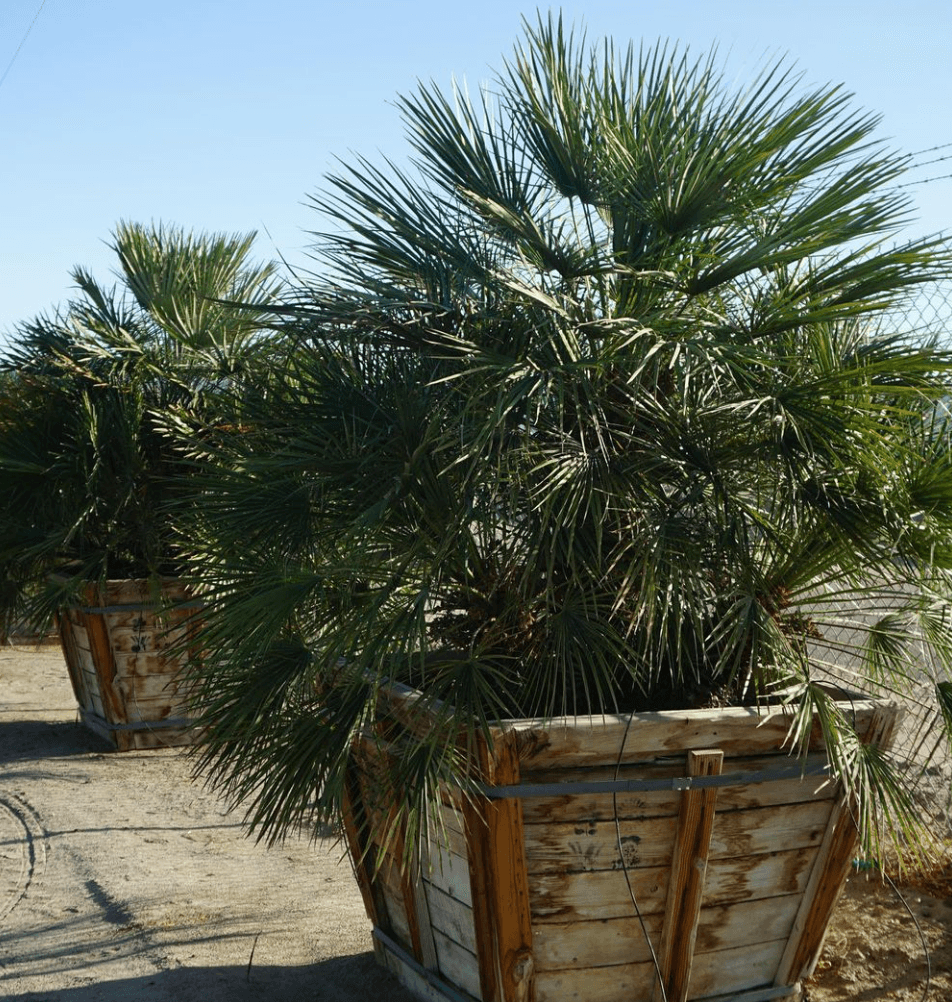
{"x": 830, "y": 870}
{"x": 500, "y": 883}
{"x": 361, "y": 851}
{"x": 820, "y": 897}
{"x": 692, "y": 845}
{"x": 71, "y": 654}
{"x": 364, "y": 809}
{"x": 100, "y": 645}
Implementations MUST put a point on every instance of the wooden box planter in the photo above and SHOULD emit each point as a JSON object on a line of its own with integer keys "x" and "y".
{"x": 129, "y": 689}
{"x": 734, "y": 857}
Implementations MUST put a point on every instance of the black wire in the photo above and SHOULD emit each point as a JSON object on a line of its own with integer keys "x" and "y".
{"x": 20, "y": 46}
{"x": 922, "y": 935}
{"x": 624, "y": 864}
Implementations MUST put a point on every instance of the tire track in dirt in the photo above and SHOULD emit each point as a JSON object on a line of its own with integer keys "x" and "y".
{"x": 24, "y": 849}
{"x": 24, "y": 843}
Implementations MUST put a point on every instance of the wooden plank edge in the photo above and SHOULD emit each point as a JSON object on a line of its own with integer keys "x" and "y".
{"x": 416, "y": 978}
{"x": 776, "y": 993}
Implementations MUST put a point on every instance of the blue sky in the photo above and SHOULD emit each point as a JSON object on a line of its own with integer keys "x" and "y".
{"x": 226, "y": 114}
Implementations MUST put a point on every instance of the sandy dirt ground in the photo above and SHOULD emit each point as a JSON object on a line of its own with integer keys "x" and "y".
{"x": 121, "y": 878}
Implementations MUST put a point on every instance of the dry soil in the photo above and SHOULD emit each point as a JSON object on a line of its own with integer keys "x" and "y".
{"x": 121, "y": 878}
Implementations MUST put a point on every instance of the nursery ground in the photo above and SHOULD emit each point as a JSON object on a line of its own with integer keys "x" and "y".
{"x": 122, "y": 878}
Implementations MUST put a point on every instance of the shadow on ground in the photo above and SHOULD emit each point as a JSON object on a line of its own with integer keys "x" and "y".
{"x": 357, "y": 977}
{"x": 38, "y": 739}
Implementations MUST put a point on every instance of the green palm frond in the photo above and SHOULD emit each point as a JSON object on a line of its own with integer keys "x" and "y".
{"x": 89, "y": 476}
{"x": 601, "y": 405}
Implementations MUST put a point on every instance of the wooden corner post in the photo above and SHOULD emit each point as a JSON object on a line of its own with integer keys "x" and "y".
{"x": 830, "y": 869}
{"x": 499, "y": 879}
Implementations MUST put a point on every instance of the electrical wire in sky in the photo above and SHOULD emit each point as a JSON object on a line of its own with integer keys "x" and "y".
{"x": 13, "y": 59}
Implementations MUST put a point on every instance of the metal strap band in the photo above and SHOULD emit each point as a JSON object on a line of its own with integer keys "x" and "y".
{"x": 140, "y": 725}
{"x": 431, "y": 979}
{"x": 679, "y": 783}
{"x": 99, "y": 610}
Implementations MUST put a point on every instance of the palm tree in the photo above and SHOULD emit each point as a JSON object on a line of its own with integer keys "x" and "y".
{"x": 87, "y": 474}
{"x": 600, "y": 406}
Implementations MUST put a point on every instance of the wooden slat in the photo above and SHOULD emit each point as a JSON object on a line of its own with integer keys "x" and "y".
{"x": 604, "y": 894}
{"x": 725, "y": 972}
{"x": 94, "y": 698}
{"x": 561, "y": 848}
{"x": 452, "y": 833}
{"x": 739, "y": 969}
{"x": 149, "y": 665}
{"x": 147, "y": 712}
{"x": 686, "y": 885}
{"x": 726, "y": 927}
{"x": 611, "y": 942}
{"x": 595, "y": 984}
{"x": 762, "y": 829}
{"x": 458, "y": 965}
{"x": 788, "y": 993}
{"x": 137, "y": 591}
{"x": 596, "y": 895}
{"x": 389, "y": 881}
{"x": 625, "y": 940}
{"x": 126, "y": 640}
{"x": 150, "y": 688}
{"x": 451, "y": 917}
{"x": 595, "y": 741}
{"x": 594, "y": 845}
{"x": 418, "y": 905}
{"x": 450, "y": 873}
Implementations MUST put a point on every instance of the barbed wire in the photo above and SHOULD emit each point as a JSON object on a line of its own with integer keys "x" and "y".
{"x": 930, "y": 149}
{"x": 925, "y": 180}
{"x": 936, "y": 160}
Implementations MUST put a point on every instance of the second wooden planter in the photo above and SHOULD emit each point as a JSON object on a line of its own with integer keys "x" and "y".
{"x": 129, "y": 687}
{"x": 610, "y": 856}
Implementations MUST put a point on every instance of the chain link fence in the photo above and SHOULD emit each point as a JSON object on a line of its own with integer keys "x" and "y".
{"x": 841, "y": 651}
